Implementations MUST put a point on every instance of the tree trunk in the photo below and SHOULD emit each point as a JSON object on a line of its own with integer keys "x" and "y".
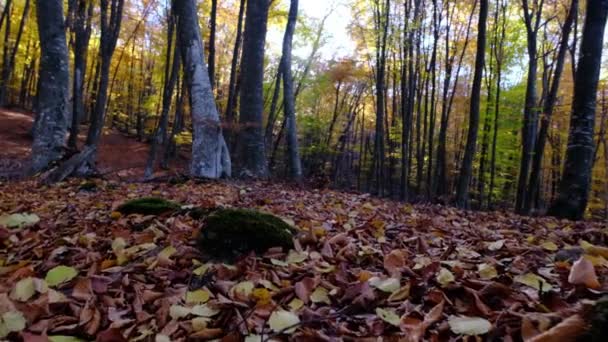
{"x": 295, "y": 164}
{"x": 7, "y": 69}
{"x": 232, "y": 91}
{"x": 170, "y": 80}
{"x": 576, "y": 181}
{"x": 532, "y": 20}
{"x": 212, "y": 34}
{"x": 110, "y": 29}
{"x": 462, "y": 191}
{"x": 51, "y": 122}
{"x": 548, "y": 107}
{"x": 210, "y": 156}
{"x": 82, "y": 32}
{"x": 252, "y": 147}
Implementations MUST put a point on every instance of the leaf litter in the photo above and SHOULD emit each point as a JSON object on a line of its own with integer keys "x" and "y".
{"x": 71, "y": 269}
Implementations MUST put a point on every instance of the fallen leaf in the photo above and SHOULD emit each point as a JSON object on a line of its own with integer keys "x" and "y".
{"x": 59, "y": 275}
{"x": 389, "y": 316}
{"x": 470, "y": 326}
{"x": 534, "y": 281}
{"x": 388, "y": 285}
{"x": 19, "y": 220}
{"x": 282, "y": 321}
{"x": 445, "y": 277}
{"x": 583, "y": 273}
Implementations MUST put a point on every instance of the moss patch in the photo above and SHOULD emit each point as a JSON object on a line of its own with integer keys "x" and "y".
{"x": 230, "y": 232}
{"x": 148, "y": 206}
{"x": 599, "y": 322}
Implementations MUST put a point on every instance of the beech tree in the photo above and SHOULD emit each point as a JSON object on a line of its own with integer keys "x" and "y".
{"x": 295, "y": 165}
{"x": 210, "y": 156}
{"x": 251, "y": 145}
{"x": 576, "y": 180}
{"x": 51, "y": 122}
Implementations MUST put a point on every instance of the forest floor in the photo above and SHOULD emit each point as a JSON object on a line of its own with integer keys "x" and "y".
{"x": 119, "y": 157}
{"x": 361, "y": 267}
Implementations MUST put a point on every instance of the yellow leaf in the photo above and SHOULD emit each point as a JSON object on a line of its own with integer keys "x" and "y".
{"x": 445, "y": 277}
{"x": 487, "y": 271}
{"x": 365, "y": 275}
{"x": 389, "y": 316}
{"x": 115, "y": 215}
{"x": 295, "y": 257}
{"x": 320, "y": 295}
{"x": 282, "y": 321}
{"x": 167, "y": 252}
{"x": 197, "y": 297}
{"x": 401, "y": 294}
{"x": 261, "y": 296}
{"x": 242, "y": 290}
{"x": 534, "y": 281}
{"x": 550, "y": 246}
{"x": 295, "y": 304}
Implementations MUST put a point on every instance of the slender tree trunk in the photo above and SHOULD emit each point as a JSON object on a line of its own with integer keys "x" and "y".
{"x": 499, "y": 55}
{"x": 210, "y": 156}
{"x": 110, "y": 29}
{"x": 6, "y": 12}
{"x": 532, "y": 20}
{"x": 82, "y": 32}
{"x": 170, "y": 80}
{"x": 232, "y": 92}
{"x": 576, "y": 181}
{"x": 295, "y": 165}
{"x": 548, "y": 107}
{"x": 462, "y": 191}
{"x": 51, "y": 123}
{"x": 212, "y": 36}
{"x": 252, "y": 147}
{"x": 7, "y": 69}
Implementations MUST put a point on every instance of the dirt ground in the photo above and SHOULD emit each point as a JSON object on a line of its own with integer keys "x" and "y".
{"x": 119, "y": 156}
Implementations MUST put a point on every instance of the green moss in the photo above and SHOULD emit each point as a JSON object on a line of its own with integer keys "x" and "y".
{"x": 148, "y": 206}
{"x": 230, "y": 232}
{"x": 599, "y": 322}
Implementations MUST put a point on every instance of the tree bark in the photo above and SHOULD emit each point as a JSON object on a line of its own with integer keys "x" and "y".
{"x": 170, "y": 80}
{"x": 51, "y": 122}
{"x": 252, "y": 148}
{"x": 7, "y": 68}
{"x": 110, "y": 29}
{"x": 232, "y": 91}
{"x": 532, "y": 21}
{"x": 462, "y": 191}
{"x": 210, "y": 156}
{"x": 576, "y": 181}
{"x": 82, "y": 32}
{"x": 212, "y": 36}
{"x": 548, "y": 107}
{"x": 295, "y": 164}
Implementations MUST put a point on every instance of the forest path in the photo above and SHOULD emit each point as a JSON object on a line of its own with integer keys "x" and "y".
{"x": 120, "y": 156}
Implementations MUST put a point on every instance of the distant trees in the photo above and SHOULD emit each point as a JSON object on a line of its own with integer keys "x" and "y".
{"x": 576, "y": 180}
{"x": 51, "y": 122}
{"x": 400, "y": 117}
